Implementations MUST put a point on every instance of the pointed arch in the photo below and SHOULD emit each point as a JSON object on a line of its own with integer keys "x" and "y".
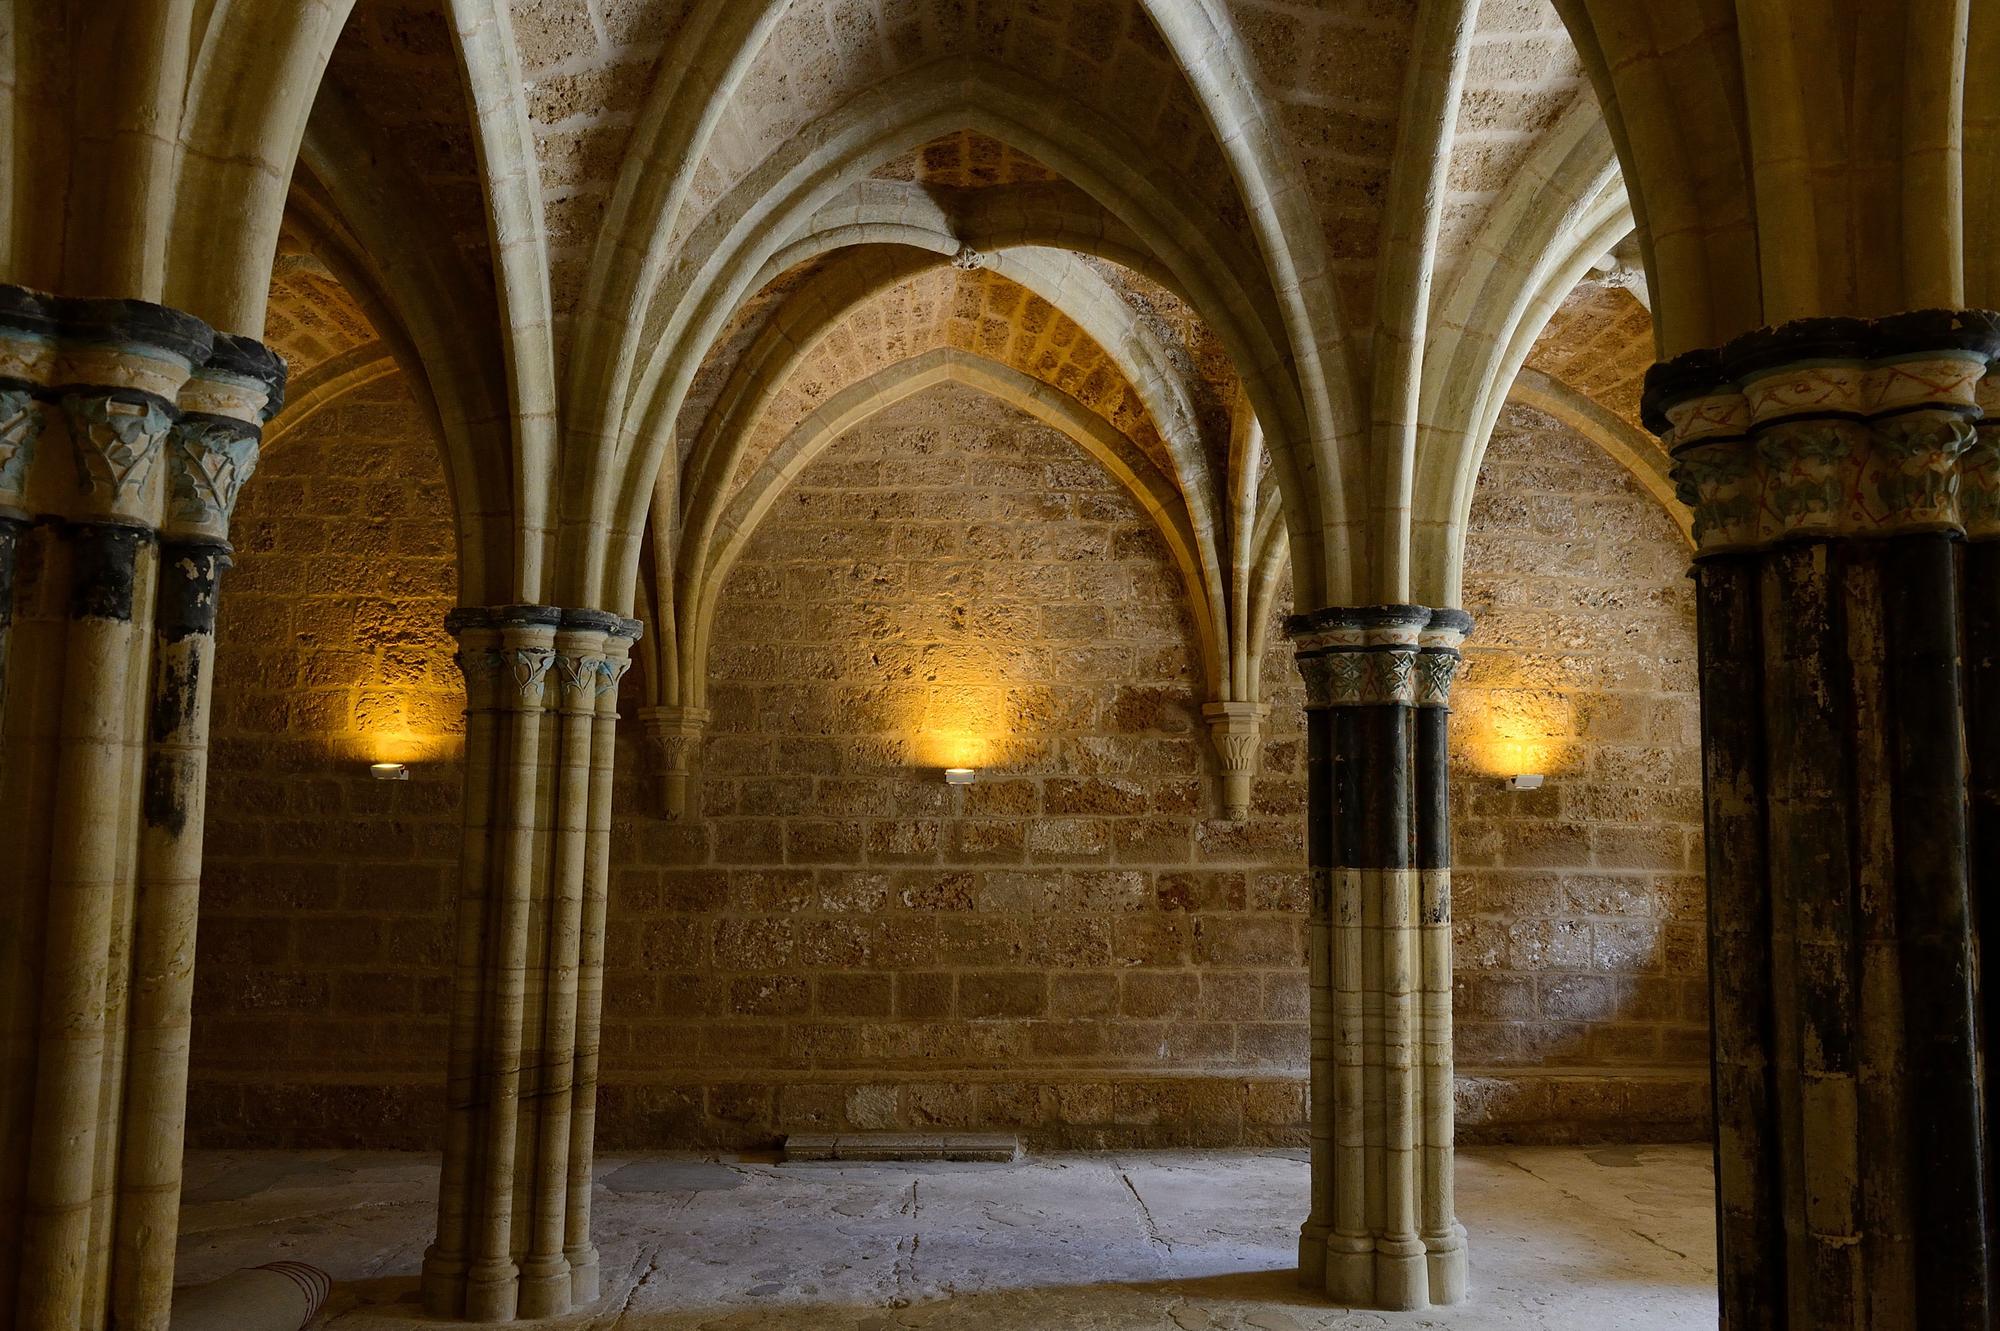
{"x": 1289, "y": 260}
{"x": 1155, "y": 494}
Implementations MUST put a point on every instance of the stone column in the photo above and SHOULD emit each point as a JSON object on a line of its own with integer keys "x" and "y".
{"x": 1382, "y": 1233}
{"x": 676, "y": 734}
{"x": 541, "y": 716}
{"x": 104, "y": 741}
{"x": 1979, "y": 508}
{"x": 20, "y": 427}
{"x": 1825, "y": 461}
{"x": 210, "y": 452}
{"x": 1237, "y": 731}
{"x": 577, "y": 1244}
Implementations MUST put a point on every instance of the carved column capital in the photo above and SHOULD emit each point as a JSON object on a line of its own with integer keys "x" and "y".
{"x": 478, "y": 656}
{"x": 505, "y": 653}
{"x": 21, "y": 424}
{"x": 1979, "y": 468}
{"x": 116, "y": 437}
{"x": 1438, "y": 657}
{"x": 1354, "y": 655}
{"x": 617, "y": 660}
{"x": 213, "y": 448}
{"x": 675, "y": 734}
{"x": 1237, "y": 731}
{"x": 1826, "y": 428}
{"x": 208, "y": 460}
{"x": 580, "y": 659}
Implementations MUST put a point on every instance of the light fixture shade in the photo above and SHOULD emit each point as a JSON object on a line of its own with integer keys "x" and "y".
{"x": 389, "y": 771}
{"x": 1525, "y": 781}
{"x": 960, "y": 776}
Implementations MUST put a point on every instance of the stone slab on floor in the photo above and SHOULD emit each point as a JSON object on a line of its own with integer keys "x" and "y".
{"x": 987, "y": 1147}
{"x": 1563, "y": 1239}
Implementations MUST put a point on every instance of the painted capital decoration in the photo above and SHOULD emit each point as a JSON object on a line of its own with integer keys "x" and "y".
{"x": 609, "y": 671}
{"x": 579, "y": 673}
{"x": 531, "y": 666}
{"x": 116, "y": 439}
{"x": 1828, "y": 428}
{"x": 1404, "y": 655}
{"x": 20, "y": 426}
{"x": 1435, "y": 672}
{"x": 480, "y": 666}
{"x": 208, "y": 460}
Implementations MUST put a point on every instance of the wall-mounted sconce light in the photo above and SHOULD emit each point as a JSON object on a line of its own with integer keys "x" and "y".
{"x": 389, "y": 771}
{"x": 1525, "y": 781}
{"x": 960, "y": 776}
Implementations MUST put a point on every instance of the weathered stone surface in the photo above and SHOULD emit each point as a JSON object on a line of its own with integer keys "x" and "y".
{"x": 1191, "y": 1241}
{"x": 835, "y": 920}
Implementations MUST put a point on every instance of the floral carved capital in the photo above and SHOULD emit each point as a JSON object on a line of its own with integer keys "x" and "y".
{"x": 21, "y": 425}
{"x": 531, "y": 666}
{"x": 116, "y": 440}
{"x": 208, "y": 461}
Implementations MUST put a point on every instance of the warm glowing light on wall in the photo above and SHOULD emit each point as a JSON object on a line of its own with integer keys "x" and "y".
{"x": 959, "y": 726}
{"x": 1520, "y": 734}
{"x": 395, "y": 725}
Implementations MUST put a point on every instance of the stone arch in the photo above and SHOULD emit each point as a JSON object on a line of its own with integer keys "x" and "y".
{"x": 598, "y": 375}
{"x": 174, "y": 162}
{"x": 1154, "y": 493}
{"x": 706, "y": 68}
{"x": 1046, "y": 215}
{"x": 490, "y": 64}
{"x": 1629, "y": 447}
{"x": 1558, "y": 213}
{"x": 1064, "y": 282}
{"x": 415, "y": 287}
{"x": 268, "y": 55}
{"x": 946, "y": 102}
{"x": 1677, "y": 123}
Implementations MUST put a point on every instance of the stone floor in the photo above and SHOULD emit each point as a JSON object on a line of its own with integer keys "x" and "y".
{"x": 1612, "y": 1239}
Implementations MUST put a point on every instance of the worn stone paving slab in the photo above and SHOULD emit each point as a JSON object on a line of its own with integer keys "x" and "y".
{"x": 1612, "y": 1239}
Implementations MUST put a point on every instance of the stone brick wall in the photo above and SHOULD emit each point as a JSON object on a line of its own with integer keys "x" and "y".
{"x": 1581, "y": 969}
{"x": 321, "y": 975}
{"x": 1073, "y": 946}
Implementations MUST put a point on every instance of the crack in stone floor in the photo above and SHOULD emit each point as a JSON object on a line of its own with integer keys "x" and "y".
{"x": 1165, "y": 1241}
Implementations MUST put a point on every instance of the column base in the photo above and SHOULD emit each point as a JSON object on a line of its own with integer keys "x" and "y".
{"x": 1350, "y": 1269}
{"x": 443, "y": 1285}
{"x": 1312, "y": 1256}
{"x": 492, "y": 1292}
{"x": 1390, "y": 1275}
{"x": 1402, "y": 1275}
{"x": 585, "y": 1280}
{"x": 545, "y": 1289}
{"x": 1450, "y": 1269}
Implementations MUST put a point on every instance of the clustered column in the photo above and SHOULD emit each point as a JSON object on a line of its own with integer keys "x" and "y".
{"x": 541, "y": 724}
{"x": 1847, "y": 500}
{"x": 126, "y": 432}
{"x": 1383, "y": 1232}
